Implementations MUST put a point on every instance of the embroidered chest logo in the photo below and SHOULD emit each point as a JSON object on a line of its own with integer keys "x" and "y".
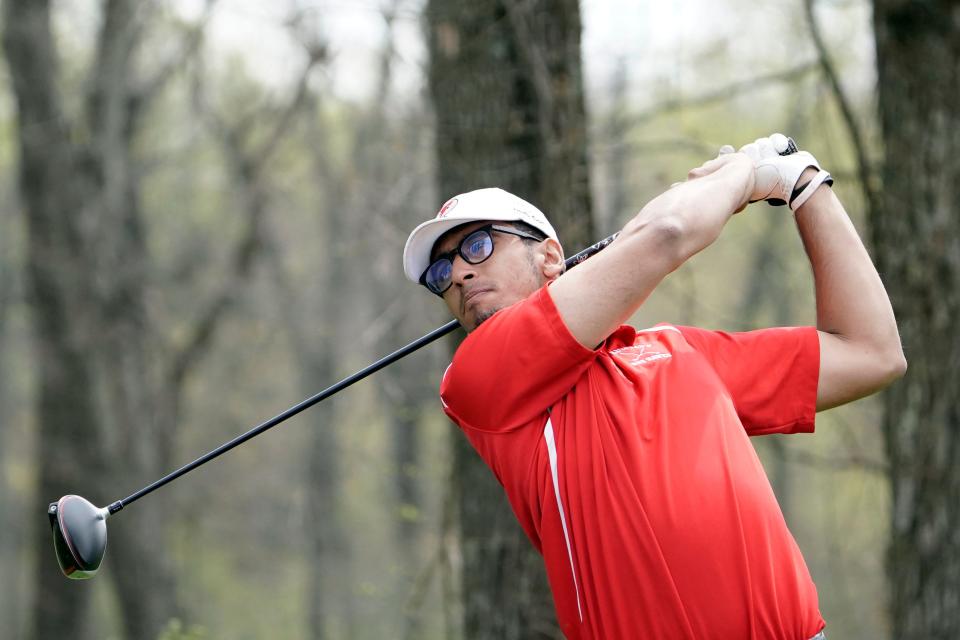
{"x": 641, "y": 354}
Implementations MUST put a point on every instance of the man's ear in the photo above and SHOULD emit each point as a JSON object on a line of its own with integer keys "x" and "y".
{"x": 552, "y": 253}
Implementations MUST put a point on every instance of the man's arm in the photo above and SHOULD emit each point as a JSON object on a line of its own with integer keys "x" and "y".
{"x": 601, "y": 293}
{"x": 860, "y": 350}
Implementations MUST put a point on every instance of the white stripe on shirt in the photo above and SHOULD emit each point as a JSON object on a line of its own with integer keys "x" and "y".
{"x": 552, "y": 452}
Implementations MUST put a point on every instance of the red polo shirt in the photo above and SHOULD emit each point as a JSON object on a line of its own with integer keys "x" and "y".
{"x": 630, "y": 469}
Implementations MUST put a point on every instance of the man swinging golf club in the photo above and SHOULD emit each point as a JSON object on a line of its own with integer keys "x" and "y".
{"x": 624, "y": 453}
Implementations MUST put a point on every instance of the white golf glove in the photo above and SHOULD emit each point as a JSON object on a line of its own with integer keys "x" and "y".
{"x": 778, "y": 166}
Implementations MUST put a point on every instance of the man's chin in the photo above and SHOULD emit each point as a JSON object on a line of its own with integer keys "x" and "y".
{"x": 482, "y": 315}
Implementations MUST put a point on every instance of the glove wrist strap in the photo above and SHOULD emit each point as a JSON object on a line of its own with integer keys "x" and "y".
{"x": 802, "y": 194}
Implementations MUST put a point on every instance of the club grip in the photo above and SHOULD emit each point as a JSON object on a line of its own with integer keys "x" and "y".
{"x": 791, "y": 147}
{"x": 593, "y": 249}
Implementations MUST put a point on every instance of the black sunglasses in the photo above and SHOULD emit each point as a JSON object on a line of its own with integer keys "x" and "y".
{"x": 475, "y": 247}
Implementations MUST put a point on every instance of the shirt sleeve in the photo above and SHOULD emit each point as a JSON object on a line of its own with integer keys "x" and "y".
{"x": 771, "y": 374}
{"x": 513, "y": 367}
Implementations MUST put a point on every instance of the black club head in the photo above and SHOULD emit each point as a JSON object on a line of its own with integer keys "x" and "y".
{"x": 79, "y": 536}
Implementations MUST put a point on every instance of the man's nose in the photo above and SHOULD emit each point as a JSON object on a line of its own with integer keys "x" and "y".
{"x": 462, "y": 270}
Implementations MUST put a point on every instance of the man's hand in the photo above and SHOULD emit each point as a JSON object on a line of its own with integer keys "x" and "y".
{"x": 779, "y": 167}
{"x": 736, "y": 168}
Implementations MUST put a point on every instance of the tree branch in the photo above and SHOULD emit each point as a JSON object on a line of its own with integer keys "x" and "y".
{"x": 246, "y": 167}
{"x": 732, "y": 90}
{"x": 387, "y": 54}
{"x": 109, "y": 110}
{"x": 32, "y": 62}
{"x": 293, "y": 107}
{"x": 853, "y": 129}
{"x": 192, "y": 39}
{"x": 241, "y": 263}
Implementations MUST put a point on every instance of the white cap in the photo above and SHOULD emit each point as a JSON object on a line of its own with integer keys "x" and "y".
{"x": 482, "y": 204}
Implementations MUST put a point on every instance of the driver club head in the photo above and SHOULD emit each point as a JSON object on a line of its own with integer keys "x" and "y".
{"x": 79, "y": 535}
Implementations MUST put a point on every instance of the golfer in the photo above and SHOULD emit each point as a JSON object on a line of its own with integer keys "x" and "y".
{"x": 625, "y": 453}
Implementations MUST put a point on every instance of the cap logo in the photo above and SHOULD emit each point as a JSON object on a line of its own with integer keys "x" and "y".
{"x": 447, "y": 206}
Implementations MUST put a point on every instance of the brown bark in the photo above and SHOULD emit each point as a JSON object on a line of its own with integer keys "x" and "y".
{"x": 916, "y": 235}
{"x": 327, "y": 547}
{"x": 86, "y": 271}
{"x": 507, "y": 89}
{"x": 12, "y": 540}
{"x": 314, "y": 327}
{"x": 106, "y": 411}
{"x": 64, "y": 395}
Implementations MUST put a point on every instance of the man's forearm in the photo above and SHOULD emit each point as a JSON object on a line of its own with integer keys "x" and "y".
{"x": 597, "y": 296}
{"x": 860, "y": 345}
{"x": 700, "y": 207}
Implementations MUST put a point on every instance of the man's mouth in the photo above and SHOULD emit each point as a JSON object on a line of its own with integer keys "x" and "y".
{"x": 472, "y": 295}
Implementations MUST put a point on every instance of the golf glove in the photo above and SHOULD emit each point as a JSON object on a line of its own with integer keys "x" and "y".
{"x": 778, "y": 166}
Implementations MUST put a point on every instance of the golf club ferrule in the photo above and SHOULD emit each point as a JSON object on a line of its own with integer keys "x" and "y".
{"x": 114, "y": 507}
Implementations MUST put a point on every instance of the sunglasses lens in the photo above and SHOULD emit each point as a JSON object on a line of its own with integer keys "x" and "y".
{"x": 438, "y": 276}
{"x": 477, "y": 247}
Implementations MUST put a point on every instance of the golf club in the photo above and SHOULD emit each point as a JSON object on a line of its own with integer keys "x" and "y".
{"x": 80, "y": 528}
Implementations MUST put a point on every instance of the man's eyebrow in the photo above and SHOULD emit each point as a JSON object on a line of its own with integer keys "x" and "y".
{"x": 435, "y": 251}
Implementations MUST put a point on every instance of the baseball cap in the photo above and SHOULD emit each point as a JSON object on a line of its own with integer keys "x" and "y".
{"x": 482, "y": 204}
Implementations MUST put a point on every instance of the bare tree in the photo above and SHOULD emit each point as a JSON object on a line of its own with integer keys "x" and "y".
{"x": 916, "y": 237}
{"x": 313, "y": 327}
{"x": 915, "y": 231}
{"x": 84, "y": 267}
{"x": 507, "y": 90}
{"x": 107, "y": 405}
{"x": 12, "y": 540}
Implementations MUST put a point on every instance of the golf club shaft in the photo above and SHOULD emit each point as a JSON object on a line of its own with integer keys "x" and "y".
{"x": 326, "y": 393}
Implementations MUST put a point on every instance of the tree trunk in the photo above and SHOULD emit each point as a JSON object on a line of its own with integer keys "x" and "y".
{"x": 86, "y": 274}
{"x": 330, "y": 602}
{"x": 68, "y": 461}
{"x": 329, "y": 594}
{"x": 916, "y": 235}
{"x": 11, "y": 542}
{"x": 506, "y": 86}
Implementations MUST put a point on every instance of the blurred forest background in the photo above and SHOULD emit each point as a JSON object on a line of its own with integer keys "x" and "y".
{"x": 203, "y": 211}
